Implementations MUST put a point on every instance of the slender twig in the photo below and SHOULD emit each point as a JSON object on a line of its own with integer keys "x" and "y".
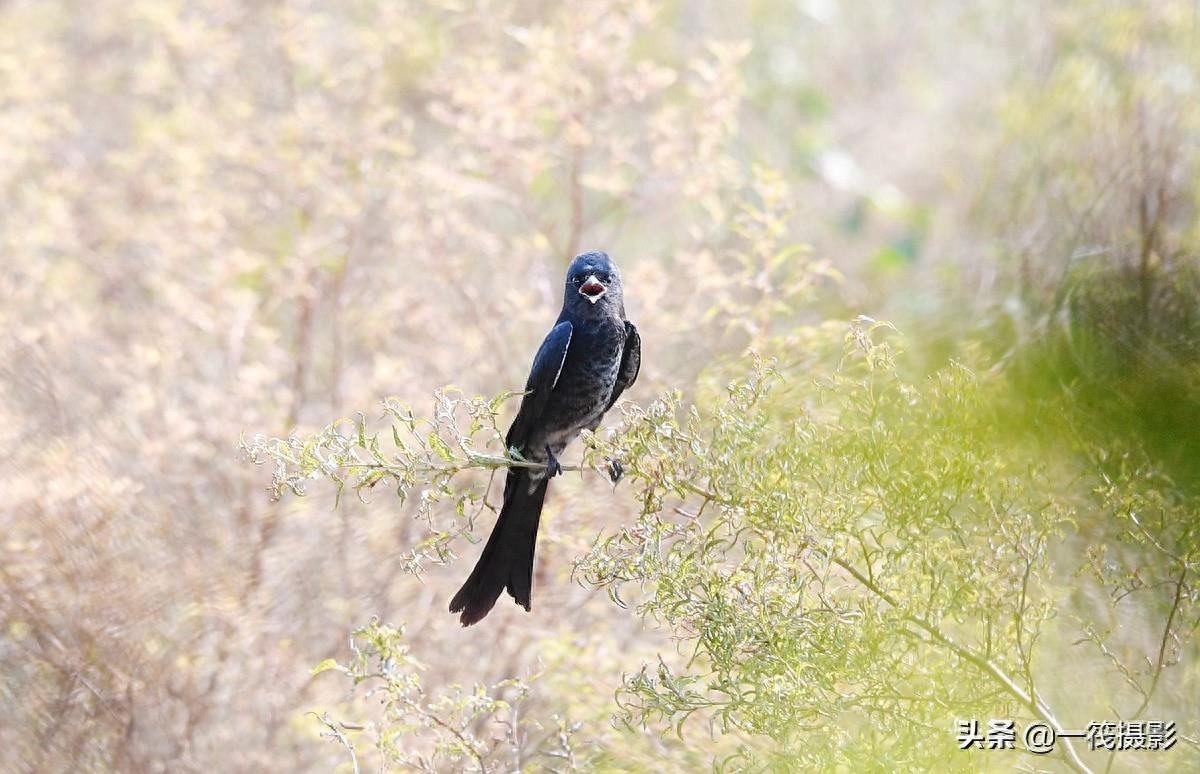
{"x": 1153, "y": 540}
{"x": 1162, "y": 645}
{"x": 474, "y": 460}
{"x": 1025, "y": 655}
{"x": 336, "y": 733}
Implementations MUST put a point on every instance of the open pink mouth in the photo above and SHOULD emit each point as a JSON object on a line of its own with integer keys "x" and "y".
{"x": 592, "y": 288}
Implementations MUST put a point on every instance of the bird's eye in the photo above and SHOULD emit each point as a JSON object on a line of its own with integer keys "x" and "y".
{"x": 576, "y": 280}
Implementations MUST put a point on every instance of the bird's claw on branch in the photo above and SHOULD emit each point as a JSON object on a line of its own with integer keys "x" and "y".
{"x": 615, "y": 470}
{"x": 553, "y": 467}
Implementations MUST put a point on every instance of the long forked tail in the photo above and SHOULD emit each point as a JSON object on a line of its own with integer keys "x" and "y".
{"x": 507, "y": 559}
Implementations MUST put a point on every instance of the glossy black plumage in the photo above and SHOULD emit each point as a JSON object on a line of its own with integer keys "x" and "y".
{"x": 588, "y": 359}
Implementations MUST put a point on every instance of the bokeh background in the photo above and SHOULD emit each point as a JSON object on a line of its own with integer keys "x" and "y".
{"x": 225, "y": 218}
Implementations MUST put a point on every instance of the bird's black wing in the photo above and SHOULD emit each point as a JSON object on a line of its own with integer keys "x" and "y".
{"x": 631, "y": 363}
{"x": 547, "y": 365}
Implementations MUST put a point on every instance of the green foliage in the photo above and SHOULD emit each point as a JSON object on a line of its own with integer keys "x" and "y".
{"x": 1121, "y": 362}
{"x": 863, "y": 563}
{"x": 429, "y": 457}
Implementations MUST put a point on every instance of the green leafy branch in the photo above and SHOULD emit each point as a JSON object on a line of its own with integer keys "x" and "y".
{"x": 429, "y": 460}
{"x": 831, "y": 548}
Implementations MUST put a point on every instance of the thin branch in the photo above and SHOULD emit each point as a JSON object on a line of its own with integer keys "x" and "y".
{"x": 473, "y": 460}
{"x": 337, "y": 734}
{"x": 1162, "y": 645}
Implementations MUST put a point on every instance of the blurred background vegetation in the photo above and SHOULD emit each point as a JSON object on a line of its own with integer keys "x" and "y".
{"x": 226, "y": 218}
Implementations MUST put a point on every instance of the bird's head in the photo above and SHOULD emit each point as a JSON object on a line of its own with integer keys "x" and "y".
{"x": 593, "y": 285}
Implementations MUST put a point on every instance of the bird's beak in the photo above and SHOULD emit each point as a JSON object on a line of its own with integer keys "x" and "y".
{"x": 593, "y": 289}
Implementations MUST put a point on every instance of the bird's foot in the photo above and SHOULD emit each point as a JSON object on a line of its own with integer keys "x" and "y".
{"x": 615, "y": 470}
{"x": 553, "y": 467}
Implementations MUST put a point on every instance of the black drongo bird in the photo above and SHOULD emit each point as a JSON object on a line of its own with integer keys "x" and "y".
{"x": 588, "y": 359}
